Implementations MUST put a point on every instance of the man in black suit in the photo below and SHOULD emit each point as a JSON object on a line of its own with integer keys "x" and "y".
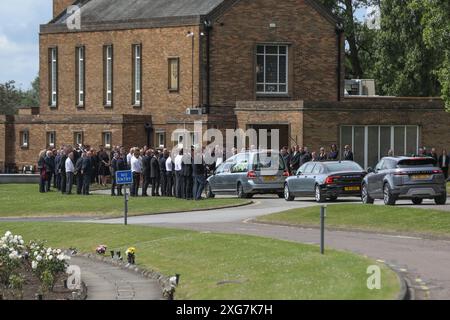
{"x": 146, "y": 171}
{"x": 286, "y": 157}
{"x": 155, "y": 173}
{"x": 50, "y": 166}
{"x": 348, "y": 154}
{"x": 187, "y": 175}
{"x": 295, "y": 159}
{"x": 305, "y": 156}
{"x": 79, "y": 176}
{"x": 87, "y": 172}
{"x": 162, "y": 168}
{"x": 444, "y": 162}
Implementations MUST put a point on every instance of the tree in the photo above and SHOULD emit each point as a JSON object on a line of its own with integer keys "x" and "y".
{"x": 30, "y": 97}
{"x": 9, "y": 98}
{"x": 359, "y": 38}
{"x": 436, "y": 35}
{"x": 405, "y": 65}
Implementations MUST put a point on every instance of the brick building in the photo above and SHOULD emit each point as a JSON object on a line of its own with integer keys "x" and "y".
{"x": 130, "y": 73}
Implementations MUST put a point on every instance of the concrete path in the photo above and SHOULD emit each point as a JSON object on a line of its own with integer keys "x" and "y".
{"x": 108, "y": 282}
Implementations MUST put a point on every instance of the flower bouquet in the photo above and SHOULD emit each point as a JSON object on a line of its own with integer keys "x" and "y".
{"x": 101, "y": 249}
{"x": 131, "y": 252}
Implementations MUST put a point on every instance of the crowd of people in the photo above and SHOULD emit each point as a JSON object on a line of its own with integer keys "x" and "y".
{"x": 182, "y": 175}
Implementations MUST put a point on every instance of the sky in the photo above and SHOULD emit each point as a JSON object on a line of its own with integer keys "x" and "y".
{"x": 19, "y": 39}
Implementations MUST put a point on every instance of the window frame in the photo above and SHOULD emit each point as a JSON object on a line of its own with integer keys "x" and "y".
{"x": 23, "y": 134}
{"x": 81, "y": 133}
{"x": 169, "y": 84}
{"x": 104, "y": 134}
{"x": 48, "y": 140}
{"x": 137, "y": 77}
{"x": 278, "y": 83}
{"x": 108, "y": 75}
{"x": 53, "y": 77}
{"x": 163, "y": 135}
{"x": 80, "y": 76}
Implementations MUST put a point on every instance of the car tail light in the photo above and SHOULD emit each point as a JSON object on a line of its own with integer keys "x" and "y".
{"x": 331, "y": 180}
{"x": 251, "y": 174}
{"x": 437, "y": 171}
{"x": 286, "y": 174}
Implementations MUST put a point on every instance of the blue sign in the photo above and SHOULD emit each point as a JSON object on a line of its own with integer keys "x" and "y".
{"x": 124, "y": 177}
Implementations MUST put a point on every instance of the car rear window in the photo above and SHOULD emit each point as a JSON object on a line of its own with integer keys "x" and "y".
{"x": 343, "y": 166}
{"x": 268, "y": 161}
{"x": 419, "y": 162}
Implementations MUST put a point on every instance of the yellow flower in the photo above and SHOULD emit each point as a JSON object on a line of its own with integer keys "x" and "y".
{"x": 131, "y": 250}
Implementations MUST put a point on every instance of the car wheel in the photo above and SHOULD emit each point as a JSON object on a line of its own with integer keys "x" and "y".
{"x": 417, "y": 201}
{"x": 365, "y": 197}
{"x": 334, "y": 198}
{"x": 208, "y": 192}
{"x": 441, "y": 200}
{"x": 240, "y": 192}
{"x": 320, "y": 197}
{"x": 388, "y": 197}
{"x": 287, "y": 194}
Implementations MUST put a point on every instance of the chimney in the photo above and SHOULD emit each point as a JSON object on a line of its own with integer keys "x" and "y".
{"x": 60, "y": 5}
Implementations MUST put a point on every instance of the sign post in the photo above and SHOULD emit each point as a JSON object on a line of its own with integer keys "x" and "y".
{"x": 125, "y": 178}
{"x": 323, "y": 214}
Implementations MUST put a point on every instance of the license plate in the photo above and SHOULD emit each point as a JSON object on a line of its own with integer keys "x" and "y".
{"x": 421, "y": 177}
{"x": 356, "y": 188}
{"x": 269, "y": 178}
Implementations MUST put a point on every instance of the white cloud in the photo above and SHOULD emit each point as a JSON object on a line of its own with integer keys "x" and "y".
{"x": 19, "y": 39}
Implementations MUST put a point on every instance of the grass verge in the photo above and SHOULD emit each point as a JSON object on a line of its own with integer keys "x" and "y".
{"x": 249, "y": 267}
{"x": 369, "y": 217}
{"x": 19, "y": 200}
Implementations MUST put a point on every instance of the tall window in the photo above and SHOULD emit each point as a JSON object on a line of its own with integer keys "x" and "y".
{"x": 24, "y": 139}
{"x": 107, "y": 140}
{"x": 51, "y": 139}
{"x": 108, "y": 74}
{"x": 137, "y": 74}
{"x": 80, "y": 75}
{"x": 161, "y": 139}
{"x": 78, "y": 138}
{"x": 272, "y": 69}
{"x": 174, "y": 71}
{"x": 371, "y": 143}
{"x": 53, "y": 76}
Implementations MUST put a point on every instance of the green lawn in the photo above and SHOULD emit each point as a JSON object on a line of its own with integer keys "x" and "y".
{"x": 369, "y": 217}
{"x": 265, "y": 268}
{"x": 25, "y": 200}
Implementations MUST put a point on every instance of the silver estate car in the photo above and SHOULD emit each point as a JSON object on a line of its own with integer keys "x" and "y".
{"x": 249, "y": 173}
{"x": 414, "y": 178}
{"x": 325, "y": 180}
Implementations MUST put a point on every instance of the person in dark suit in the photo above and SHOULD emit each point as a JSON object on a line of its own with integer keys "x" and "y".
{"x": 62, "y": 169}
{"x": 57, "y": 183}
{"x": 348, "y": 154}
{"x": 334, "y": 153}
{"x": 146, "y": 171}
{"x": 42, "y": 172}
{"x": 305, "y": 156}
{"x": 295, "y": 159}
{"x": 199, "y": 174}
{"x": 187, "y": 175}
{"x": 286, "y": 158}
{"x": 323, "y": 156}
{"x": 87, "y": 172}
{"x": 162, "y": 168}
{"x": 155, "y": 173}
{"x": 117, "y": 164}
{"x": 444, "y": 162}
{"x": 434, "y": 154}
{"x": 78, "y": 174}
{"x": 50, "y": 165}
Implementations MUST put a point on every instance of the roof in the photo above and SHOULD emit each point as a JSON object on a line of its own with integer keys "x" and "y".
{"x": 130, "y": 14}
{"x": 119, "y": 10}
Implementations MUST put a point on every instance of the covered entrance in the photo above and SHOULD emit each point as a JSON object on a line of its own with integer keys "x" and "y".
{"x": 271, "y": 143}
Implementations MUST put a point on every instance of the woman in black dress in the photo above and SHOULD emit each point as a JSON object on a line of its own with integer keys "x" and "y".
{"x": 103, "y": 161}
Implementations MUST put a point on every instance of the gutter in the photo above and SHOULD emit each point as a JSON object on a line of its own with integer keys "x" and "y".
{"x": 339, "y": 33}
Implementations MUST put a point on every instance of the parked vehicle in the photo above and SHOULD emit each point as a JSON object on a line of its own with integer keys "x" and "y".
{"x": 404, "y": 178}
{"x": 325, "y": 180}
{"x": 249, "y": 173}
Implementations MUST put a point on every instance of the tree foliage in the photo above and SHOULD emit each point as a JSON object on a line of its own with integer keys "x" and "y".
{"x": 11, "y": 97}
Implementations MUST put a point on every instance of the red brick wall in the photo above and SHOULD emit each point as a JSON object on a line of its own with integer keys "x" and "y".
{"x": 313, "y": 50}
{"x": 60, "y": 5}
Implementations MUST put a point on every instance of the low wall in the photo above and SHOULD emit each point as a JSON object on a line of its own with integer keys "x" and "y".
{"x": 19, "y": 178}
